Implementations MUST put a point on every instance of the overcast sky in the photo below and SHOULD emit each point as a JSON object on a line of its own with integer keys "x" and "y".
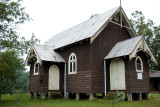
{"x": 54, "y": 16}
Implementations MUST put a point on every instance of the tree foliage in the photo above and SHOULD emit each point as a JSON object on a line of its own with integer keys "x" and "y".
{"x": 12, "y": 14}
{"x": 151, "y": 34}
{"x": 12, "y": 75}
{"x": 11, "y": 66}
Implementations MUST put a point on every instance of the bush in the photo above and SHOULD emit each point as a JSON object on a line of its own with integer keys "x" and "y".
{"x": 110, "y": 96}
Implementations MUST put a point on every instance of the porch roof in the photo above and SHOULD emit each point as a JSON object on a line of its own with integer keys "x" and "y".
{"x": 124, "y": 48}
{"x": 130, "y": 47}
{"x": 46, "y": 53}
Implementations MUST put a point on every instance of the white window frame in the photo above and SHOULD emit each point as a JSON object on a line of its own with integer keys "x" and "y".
{"x": 35, "y": 68}
{"x": 140, "y": 71}
{"x": 72, "y": 61}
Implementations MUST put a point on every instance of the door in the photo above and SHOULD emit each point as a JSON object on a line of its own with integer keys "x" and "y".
{"x": 53, "y": 78}
{"x": 117, "y": 75}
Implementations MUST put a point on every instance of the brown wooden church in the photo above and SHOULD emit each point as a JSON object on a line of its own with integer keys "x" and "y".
{"x": 100, "y": 55}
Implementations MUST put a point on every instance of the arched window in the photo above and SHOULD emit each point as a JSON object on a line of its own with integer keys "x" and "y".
{"x": 139, "y": 64}
{"x": 36, "y": 68}
{"x": 72, "y": 64}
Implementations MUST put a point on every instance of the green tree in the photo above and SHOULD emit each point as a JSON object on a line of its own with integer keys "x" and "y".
{"x": 151, "y": 33}
{"x": 12, "y": 14}
{"x": 22, "y": 83}
{"x": 10, "y": 65}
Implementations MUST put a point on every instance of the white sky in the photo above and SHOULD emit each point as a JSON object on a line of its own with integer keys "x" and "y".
{"x": 54, "y": 16}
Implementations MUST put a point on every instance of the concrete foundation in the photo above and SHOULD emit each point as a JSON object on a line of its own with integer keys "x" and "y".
{"x": 91, "y": 97}
{"x": 140, "y": 96}
{"x": 148, "y": 95}
{"x": 77, "y": 96}
{"x": 49, "y": 94}
{"x": 43, "y": 96}
{"x": 67, "y": 95}
{"x": 130, "y": 97}
{"x": 36, "y": 96}
{"x": 31, "y": 95}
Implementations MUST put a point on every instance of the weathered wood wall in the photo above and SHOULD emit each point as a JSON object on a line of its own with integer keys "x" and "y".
{"x": 80, "y": 82}
{"x": 100, "y": 48}
{"x": 133, "y": 84}
{"x": 39, "y": 83}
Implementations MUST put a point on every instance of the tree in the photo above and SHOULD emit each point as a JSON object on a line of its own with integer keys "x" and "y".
{"x": 151, "y": 34}
{"x": 13, "y": 14}
{"x": 22, "y": 83}
{"x": 10, "y": 65}
{"x": 12, "y": 46}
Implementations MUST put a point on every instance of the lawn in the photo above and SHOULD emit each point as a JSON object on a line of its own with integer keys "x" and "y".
{"x": 11, "y": 101}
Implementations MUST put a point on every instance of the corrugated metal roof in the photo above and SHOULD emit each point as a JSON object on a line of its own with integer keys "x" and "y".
{"x": 124, "y": 48}
{"x": 80, "y": 32}
{"x": 154, "y": 74}
{"x": 46, "y": 53}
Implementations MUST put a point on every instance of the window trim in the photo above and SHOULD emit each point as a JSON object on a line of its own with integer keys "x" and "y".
{"x": 72, "y": 61}
{"x": 139, "y": 71}
{"x": 35, "y": 68}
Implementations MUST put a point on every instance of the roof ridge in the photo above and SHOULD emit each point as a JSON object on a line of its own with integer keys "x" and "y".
{"x": 89, "y": 20}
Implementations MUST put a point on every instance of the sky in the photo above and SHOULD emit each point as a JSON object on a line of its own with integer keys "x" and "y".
{"x": 54, "y": 16}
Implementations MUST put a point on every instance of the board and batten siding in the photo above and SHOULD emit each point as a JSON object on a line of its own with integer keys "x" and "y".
{"x": 39, "y": 83}
{"x": 101, "y": 46}
{"x": 135, "y": 85}
{"x": 81, "y": 81}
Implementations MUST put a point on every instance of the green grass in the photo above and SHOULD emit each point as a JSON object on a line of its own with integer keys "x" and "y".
{"x": 11, "y": 100}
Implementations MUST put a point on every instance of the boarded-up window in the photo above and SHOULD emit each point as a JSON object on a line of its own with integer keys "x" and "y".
{"x": 72, "y": 64}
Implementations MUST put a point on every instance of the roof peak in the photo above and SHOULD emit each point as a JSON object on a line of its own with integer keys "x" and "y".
{"x": 82, "y": 31}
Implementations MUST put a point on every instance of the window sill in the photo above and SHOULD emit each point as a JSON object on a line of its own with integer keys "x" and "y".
{"x": 139, "y": 71}
{"x": 72, "y": 73}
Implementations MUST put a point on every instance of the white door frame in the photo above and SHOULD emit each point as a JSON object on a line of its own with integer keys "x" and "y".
{"x": 53, "y": 78}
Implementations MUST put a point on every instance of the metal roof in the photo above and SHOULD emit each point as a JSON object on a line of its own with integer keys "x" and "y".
{"x": 124, "y": 48}
{"x": 46, "y": 53}
{"x": 80, "y": 32}
{"x": 154, "y": 74}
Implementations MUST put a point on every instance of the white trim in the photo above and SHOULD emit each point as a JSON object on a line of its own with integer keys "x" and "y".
{"x": 130, "y": 30}
{"x": 72, "y": 61}
{"x": 142, "y": 46}
{"x": 32, "y": 49}
{"x": 35, "y": 68}
{"x": 140, "y": 71}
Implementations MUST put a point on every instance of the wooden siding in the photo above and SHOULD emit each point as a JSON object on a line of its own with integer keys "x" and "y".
{"x": 80, "y": 82}
{"x": 37, "y": 85}
{"x": 100, "y": 48}
{"x": 135, "y": 85}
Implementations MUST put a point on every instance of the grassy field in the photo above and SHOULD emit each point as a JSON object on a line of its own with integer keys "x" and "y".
{"x": 24, "y": 101}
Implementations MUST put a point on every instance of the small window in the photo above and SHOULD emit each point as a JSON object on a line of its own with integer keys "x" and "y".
{"x": 36, "y": 68}
{"x": 139, "y": 64}
{"x": 72, "y": 64}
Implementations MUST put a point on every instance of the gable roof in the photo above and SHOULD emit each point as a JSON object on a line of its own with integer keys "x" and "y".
{"x": 124, "y": 48}
{"x": 82, "y": 31}
{"x": 130, "y": 47}
{"x": 44, "y": 53}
